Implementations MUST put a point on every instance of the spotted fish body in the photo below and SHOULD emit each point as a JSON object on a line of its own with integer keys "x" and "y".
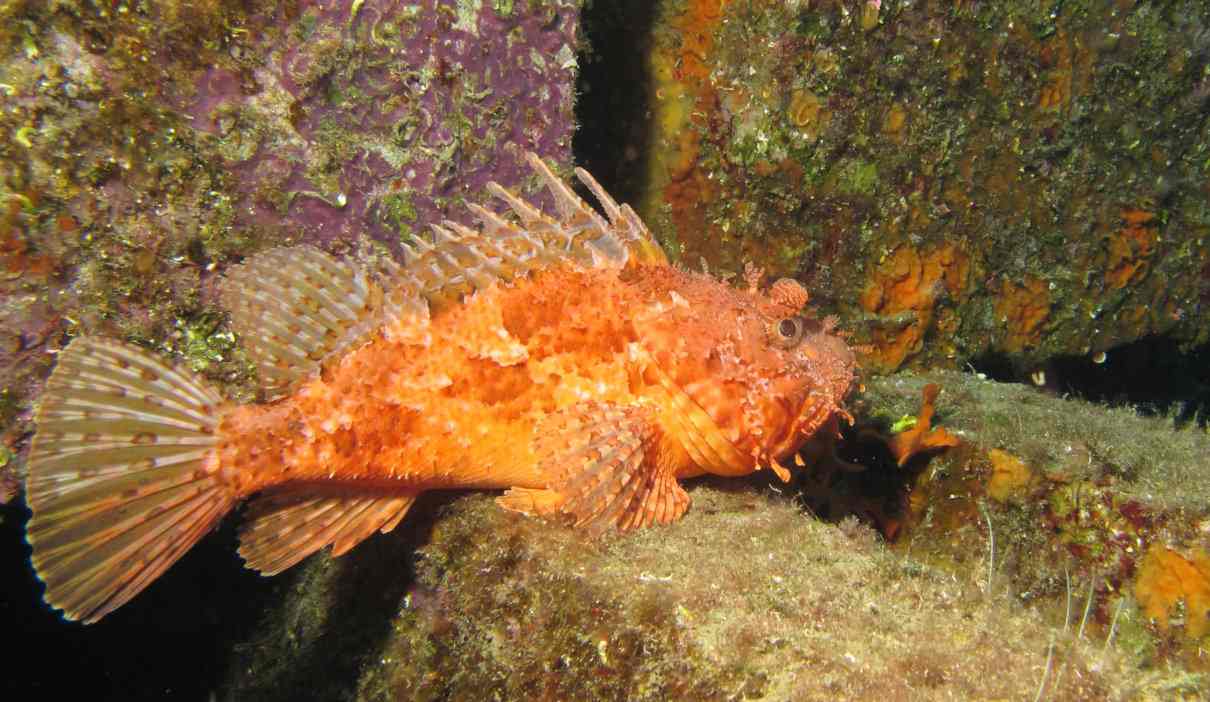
{"x": 561, "y": 359}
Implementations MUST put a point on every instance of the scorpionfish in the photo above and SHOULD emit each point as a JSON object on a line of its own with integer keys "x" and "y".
{"x": 560, "y": 358}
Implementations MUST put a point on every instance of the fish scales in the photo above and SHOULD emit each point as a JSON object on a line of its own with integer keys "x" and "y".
{"x": 562, "y": 360}
{"x": 458, "y": 412}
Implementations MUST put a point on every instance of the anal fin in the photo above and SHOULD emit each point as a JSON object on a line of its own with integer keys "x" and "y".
{"x": 531, "y": 501}
{"x": 603, "y": 470}
{"x": 288, "y": 524}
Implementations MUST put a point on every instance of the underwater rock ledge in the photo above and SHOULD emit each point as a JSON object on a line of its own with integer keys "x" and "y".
{"x": 746, "y": 598}
{"x": 751, "y": 597}
{"x": 1099, "y": 514}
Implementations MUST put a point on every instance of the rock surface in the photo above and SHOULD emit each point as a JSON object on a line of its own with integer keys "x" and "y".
{"x": 747, "y": 598}
{"x": 953, "y": 179}
{"x": 751, "y": 597}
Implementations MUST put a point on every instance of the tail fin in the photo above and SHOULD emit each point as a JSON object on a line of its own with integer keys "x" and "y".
{"x": 121, "y": 475}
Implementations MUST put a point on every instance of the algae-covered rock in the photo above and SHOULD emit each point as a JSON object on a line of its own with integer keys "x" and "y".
{"x": 373, "y": 118}
{"x": 1146, "y": 458}
{"x": 746, "y": 599}
{"x": 1097, "y": 513}
{"x": 1002, "y": 580}
{"x": 953, "y": 179}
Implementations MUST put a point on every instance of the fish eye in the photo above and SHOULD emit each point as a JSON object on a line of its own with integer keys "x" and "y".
{"x": 788, "y": 332}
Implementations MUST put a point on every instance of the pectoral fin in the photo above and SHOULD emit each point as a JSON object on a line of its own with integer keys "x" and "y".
{"x": 603, "y": 470}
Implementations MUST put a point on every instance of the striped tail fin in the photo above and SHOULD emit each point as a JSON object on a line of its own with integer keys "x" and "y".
{"x": 121, "y": 474}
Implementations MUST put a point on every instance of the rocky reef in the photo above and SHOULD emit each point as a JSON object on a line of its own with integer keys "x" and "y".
{"x": 1058, "y": 553}
{"x": 746, "y": 598}
{"x": 1087, "y": 508}
{"x": 956, "y": 179}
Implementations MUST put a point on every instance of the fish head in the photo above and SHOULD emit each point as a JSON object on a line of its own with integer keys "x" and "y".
{"x": 754, "y": 376}
{"x": 812, "y": 373}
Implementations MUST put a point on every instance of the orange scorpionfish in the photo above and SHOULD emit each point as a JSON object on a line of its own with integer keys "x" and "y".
{"x": 564, "y": 360}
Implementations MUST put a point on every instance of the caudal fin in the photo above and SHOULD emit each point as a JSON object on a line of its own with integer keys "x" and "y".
{"x": 121, "y": 474}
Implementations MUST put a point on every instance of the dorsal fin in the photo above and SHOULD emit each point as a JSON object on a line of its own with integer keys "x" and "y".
{"x": 294, "y": 307}
{"x": 625, "y": 224}
{"x": 460, "y": 260}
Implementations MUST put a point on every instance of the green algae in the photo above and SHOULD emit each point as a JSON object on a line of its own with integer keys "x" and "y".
{"x": 400, "y": 213}
{"x": 504, "y": 8}
{"x": 857, "y": 177}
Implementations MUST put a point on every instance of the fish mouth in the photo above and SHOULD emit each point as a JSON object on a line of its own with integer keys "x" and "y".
{"x": 831, "y": 381}
{"x": 811, "y": 419}
{"x": 695, "y": 429}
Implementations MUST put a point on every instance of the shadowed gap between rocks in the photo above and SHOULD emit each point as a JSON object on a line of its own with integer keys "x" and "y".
{"x": 350, "y": 614}
{"x": 1154, "y": 375}
{"x": 613, "y": 126}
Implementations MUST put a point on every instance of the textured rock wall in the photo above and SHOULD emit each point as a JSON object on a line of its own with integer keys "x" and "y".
{"x": 954, "y": 178}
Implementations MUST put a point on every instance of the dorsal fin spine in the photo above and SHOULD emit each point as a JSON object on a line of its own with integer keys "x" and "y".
{"x": 483, "y": 262}
{"x": 576, "y": 214}
{"x": 529, "y": 215}
{"x": 566, "y": 201}
{"x": 491, "y": 249}
{"x": 461, "y": 230}
{"x": 459, "y": 259}
{"x": 607, "y": 203}
{"x": 444, "y": 235}
{"x": 489, "y": 218}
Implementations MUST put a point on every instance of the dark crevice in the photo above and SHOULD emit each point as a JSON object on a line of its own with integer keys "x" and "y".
{"x": 613, "y": 126}
{"x": 282, "y": 660}
{"x": 169, "y": 642}
{"x": 1155, "y": 375}
{"x": 1152, "y": 374}
{"x": 997, "y": 366}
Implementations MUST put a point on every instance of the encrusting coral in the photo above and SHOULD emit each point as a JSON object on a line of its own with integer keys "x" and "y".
{"x": 1168, "y": 579}
{"x": 964, "y": 179}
